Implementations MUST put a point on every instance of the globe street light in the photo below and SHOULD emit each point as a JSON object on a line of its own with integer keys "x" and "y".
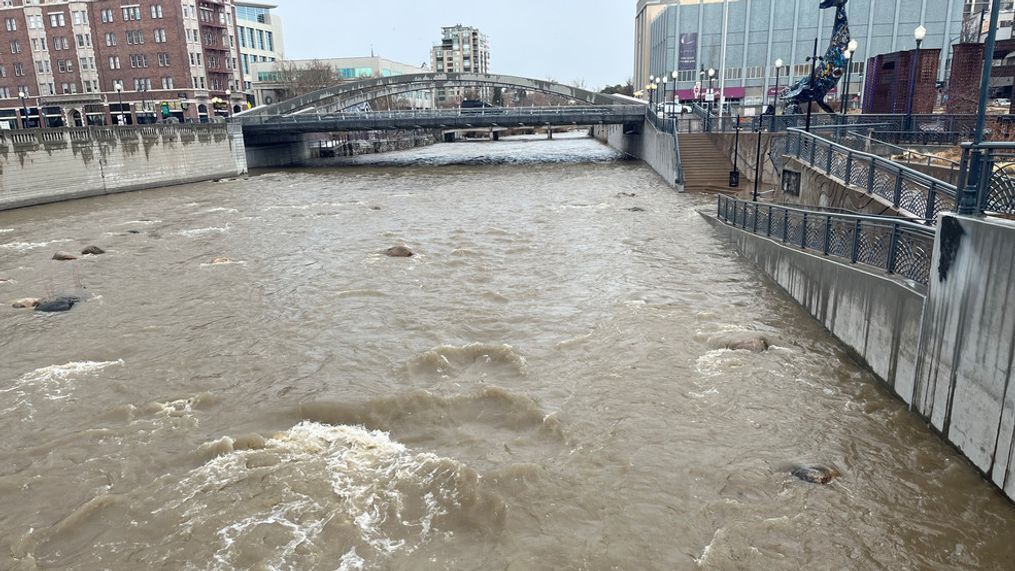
{"x": 24, "y": 110}
{"x": 918, "y": 34}
{"x": 845, "y": 84}
{"x": 118, "y": 86}
{"x": 775, "y": 106}
{"x": 711, "y": 97}
{"x": 851, "y": 51}
{"x": 229, "y": 103}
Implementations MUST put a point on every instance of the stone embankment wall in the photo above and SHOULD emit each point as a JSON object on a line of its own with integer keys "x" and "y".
{"x": 947, "y": 350}
{"x": 38, "y": 166}
{"x": 657, "y": 148}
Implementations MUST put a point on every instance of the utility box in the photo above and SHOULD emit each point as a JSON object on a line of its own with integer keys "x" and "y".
{"x": 734, "y": 179}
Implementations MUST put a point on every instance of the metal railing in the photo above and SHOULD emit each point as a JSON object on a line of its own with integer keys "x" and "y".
{"x": 894, "y": 246}
{"x": 528, "y": 112}
{"x": 922, "y": 127}
{"x": 869, "y": 142}
{"x": 59, "y": 135}
{"x": 906, "y": 189}
{"x": 995, "y": 188}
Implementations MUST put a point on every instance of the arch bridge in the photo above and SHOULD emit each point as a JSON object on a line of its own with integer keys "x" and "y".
{"x": 350, "y": 95}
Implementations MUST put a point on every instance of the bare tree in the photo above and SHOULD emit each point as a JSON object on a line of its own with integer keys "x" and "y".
{"x": 295, "y": 78}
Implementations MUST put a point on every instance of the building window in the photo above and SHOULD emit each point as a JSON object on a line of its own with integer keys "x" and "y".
{"x": 19, "y": 70}
{"x": 110, "y": 38}
{"x": 160, "y": 36}
{"x": 84, "y": 40}
{"x": 156, "y": 11}
{"x": 15, "y": 47}
{"x": 131, "y": 13}
{"x": 56, "y": 20}
{"x": 163, "y": 60}
{"x": 11, "y": 24}
{"x": 106, "y": 15}
{"x": 167, "y": 83}
{"x": 114, "y": 62}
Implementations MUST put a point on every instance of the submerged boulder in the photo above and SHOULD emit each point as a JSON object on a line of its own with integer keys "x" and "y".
{"x": 636, "y": 209}
{"x": 92, "y": 251}
{"x": 823, "y": 475}
{"x": 64, "y": 256}
{"x": 399, "y": 252}
{"x": 57, "y": 305}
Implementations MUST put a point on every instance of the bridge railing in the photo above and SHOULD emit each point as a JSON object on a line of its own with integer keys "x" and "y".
{"x": 906, "y": 189}
{"x": 457, "y": 113}
{"x": 932, "y": 127}
{"x": 892, "y": 245}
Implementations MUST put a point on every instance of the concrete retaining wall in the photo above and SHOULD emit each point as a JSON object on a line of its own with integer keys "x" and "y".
{"x": 968, "y": 338}
{"x": 876, "y": 316}
{"x": 819, "y": 191}
{"x": 656, "y": 148}
{"x": 948, "y": 352}
{"x": 278, "y": 151}
{"x": 50, "y": 165}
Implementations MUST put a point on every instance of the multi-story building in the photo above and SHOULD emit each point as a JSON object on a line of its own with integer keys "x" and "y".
{"x": 94, "y": 62}
{"x": 462, "y": 49}
{"x": 259, "y": 32}
{"x": 269, "y": 85}
{"x": 687, "y": 35}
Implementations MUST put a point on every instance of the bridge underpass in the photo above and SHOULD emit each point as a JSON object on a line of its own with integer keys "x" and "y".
{"x": 283, "y": 134}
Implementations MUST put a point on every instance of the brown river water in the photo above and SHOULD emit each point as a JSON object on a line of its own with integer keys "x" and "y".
{"x": 545, "y": 385}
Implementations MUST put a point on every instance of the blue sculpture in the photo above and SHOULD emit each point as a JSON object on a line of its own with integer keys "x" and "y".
{"x": 829, "y": 69}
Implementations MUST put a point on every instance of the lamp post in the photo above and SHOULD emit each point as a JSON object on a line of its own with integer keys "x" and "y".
{"x": 969, "y": 200}
{"x": 674, "y": 75}
{"x": 24, "y": 109}
{"x": 918, "y": 34}
{"x": 850, "y": 51}
{"x": 229, "y": 103}
{"x": 711, "y": 97}
{"x": 814, "y": 63}
{"x": 757, "y": 165}
{"x": 652, "y": 99}
{"x": 845, "y": 85}
{"x": 775, "y": 106}
{"x": 118, "y": 86}
{"x": 144, "y": 104}
{"x": 701, "y": 87}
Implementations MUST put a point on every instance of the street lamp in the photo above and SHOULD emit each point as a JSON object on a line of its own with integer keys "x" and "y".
{"x": 701, "y": 87}
{"x": 845, "y": 84}
{"x": 850, "y": 52}
{"x": 24, "y": 110}
{"x": 775, "y": 105}
{"x": 673, "y": 76}
{"x": 118, "y": 86}
{"x": 229, "y": 103}
{"x": 757, "y": 165}
{"x": 144, "y": 105}
{"x": 711, "y": 97}
{"x": 918, "y": 34}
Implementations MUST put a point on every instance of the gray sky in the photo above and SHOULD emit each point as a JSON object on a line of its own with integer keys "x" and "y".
{"x": 567, "y": 40}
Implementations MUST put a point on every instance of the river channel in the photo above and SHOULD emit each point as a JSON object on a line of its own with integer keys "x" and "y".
{"x": 545, "y": 385}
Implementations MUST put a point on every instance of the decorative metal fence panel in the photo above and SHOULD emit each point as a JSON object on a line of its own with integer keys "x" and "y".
{"x": 908, "y": 190}
{"x": 891, "y": 245}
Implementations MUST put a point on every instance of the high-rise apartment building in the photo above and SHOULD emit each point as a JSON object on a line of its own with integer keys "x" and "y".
{"x": 259, "y": 32}
{"x": 462, "y": 49}
{"x": 94, "y": 62}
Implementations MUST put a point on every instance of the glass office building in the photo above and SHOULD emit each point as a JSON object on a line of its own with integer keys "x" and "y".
{"x": 686, "y": 35}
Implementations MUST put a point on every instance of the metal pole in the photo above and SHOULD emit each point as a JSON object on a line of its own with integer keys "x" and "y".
{"x": 775, "y": 105}
{"x": 736, "y": 147}
{"x": 912, "y": 86}
{"x": 24, "y": 113}
{"x": 810, "y": 104}
{"x": 757, "y": 166}
{"x": 845, "y": 94}
{"x": 969, "y": 200}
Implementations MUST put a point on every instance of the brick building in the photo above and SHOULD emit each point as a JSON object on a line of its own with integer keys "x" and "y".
{"x": 92, "y": 62}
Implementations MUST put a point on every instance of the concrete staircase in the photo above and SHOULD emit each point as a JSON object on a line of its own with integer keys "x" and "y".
{"x": 706, "y": 168}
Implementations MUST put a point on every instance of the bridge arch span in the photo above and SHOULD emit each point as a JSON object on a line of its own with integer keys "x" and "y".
{"x": 351, "y": 94}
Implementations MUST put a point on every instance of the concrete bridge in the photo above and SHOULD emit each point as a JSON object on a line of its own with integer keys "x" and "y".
{"x": 260, "y": 125}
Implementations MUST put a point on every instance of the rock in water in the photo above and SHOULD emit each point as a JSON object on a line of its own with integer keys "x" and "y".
{"x": 92, "y": 251}
{"x": 816, "y": 474}
{"x": 57, "y": 305}
{"x": 754, "y": 344}
{"x": 399, "y": 252}
{"x": 26, "y": 303}
{"x": 64, "y": 256}
{"x": 218, "y": 261}
{"x": 626, "y": 195}
{"x": 636, "y": 209}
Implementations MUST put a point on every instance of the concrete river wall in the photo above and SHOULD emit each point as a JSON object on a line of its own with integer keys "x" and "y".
{"x": 657, "y": 148}
{"x": 947, "y": 350}
{"x": 50, "y": 165}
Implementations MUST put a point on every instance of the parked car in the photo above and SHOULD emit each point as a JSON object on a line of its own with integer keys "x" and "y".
{"x": 671, "y": 108}
{"x": 1002, "y": 102}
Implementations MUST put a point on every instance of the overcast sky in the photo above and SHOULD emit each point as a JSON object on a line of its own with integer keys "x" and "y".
{"x": 591, "y": 40}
